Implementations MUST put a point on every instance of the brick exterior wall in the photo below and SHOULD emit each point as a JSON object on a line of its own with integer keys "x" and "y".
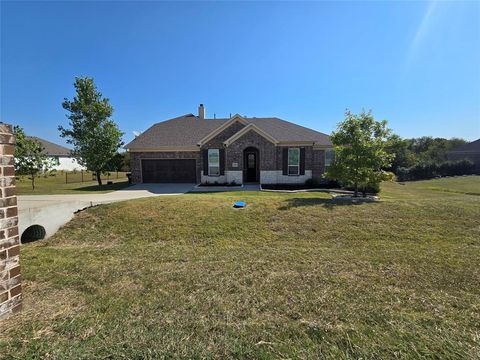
{"x": 136, "y": 161}
{"x": 270, "y": 159}
{"x": 10, "y": 287}
{"x": 318, "y": 165}
{"x": 217, "y": 141}
{"x": 266, "y": 150}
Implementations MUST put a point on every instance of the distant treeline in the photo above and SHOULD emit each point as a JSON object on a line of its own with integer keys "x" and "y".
{"x": 426, "y": 149}
{"x": 425, "y": 157}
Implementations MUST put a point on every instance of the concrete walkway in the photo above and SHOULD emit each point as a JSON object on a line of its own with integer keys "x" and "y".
{"x": 53, "y": 211}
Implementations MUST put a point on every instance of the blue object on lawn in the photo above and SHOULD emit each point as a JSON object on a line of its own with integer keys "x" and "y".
{"x": 239, "y": 204}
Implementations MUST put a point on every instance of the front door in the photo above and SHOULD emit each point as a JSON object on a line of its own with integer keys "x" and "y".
{"x": 251, "y": 166}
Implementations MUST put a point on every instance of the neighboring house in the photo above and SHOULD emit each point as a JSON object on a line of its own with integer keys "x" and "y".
{"x": 62, "y": 155}
{"x": 192, "y": 148}
{"x": 470, "y": 151}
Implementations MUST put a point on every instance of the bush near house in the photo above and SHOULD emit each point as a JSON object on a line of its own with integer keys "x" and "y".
{"x": 332, "y": 184}
{"x": 429, "y": 170}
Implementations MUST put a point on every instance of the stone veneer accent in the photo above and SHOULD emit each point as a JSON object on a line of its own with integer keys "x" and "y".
{"x": 277, "y": 177}
{"x": 10, "y": 287}
{"x": 230, "y": 176}
{"x": 136, "y": 161}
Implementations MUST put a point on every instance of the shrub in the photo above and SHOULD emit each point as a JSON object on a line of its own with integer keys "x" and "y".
{"x": 431, "y": 170}
{"x": 322, "y": 183}
{"x": 402, "y": 174}
{"x": 452, "y": 168}
{"x": 311, "y": 182}
{"x": 370, "y": 189}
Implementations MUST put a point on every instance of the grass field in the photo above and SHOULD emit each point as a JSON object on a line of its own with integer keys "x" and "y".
{"x": 464, "y": 185}
{"x": 290, "y": 276}
{"x": 56, "y": 184}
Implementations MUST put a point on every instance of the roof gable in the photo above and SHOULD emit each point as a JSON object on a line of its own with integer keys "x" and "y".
{"x": 246, "y": 129}
{"x": 215, "y": 132}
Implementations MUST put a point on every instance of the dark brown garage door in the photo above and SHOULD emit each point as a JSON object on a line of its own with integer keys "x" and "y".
{"x": 169, "y": 171}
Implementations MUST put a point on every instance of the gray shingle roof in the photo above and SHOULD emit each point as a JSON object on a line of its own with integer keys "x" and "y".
{"x": 474, "y": 146}
{"x": 52, "y": 149}
{"x": 286, "y": 131}
{"x": 188, "y": 130}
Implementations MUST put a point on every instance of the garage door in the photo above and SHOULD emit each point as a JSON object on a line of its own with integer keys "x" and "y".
{"x": 169, "y": 171}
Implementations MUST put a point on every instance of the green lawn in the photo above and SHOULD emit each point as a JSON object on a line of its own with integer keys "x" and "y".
{"x": 465, "y": 185}
{"x": 290, "y": 276}
{"x": 56, "y": 184}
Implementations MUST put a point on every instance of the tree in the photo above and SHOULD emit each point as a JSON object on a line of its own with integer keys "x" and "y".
{"x": 94, "y": 136}
{"x": 399, "y": 148}
{"x": 30, "y": 158}
{"x": 119, "y": 162}
{"x": 428, "y": 149}
{"x": 360, "y": 154}
{"x": 419, "y": 151}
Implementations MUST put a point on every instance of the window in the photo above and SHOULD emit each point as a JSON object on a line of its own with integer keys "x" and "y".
{"x": 213, "y": 162}
{"x": 329, "y": 157}
{"x": 293, "y": 161}
{"x": 251, "y": 161}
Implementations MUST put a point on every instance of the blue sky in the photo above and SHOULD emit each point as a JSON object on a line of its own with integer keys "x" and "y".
{"x": 416, "y": 64}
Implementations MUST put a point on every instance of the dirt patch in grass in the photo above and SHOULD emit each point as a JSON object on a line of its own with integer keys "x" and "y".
{"x": 44, "y": 306}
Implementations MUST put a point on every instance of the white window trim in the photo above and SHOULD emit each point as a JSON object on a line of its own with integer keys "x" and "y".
{"x": 210, "y": 165}
{"x": 288, "y": 161}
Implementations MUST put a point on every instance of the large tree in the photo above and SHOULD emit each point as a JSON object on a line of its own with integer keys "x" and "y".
{"x": 403, "y": 156}
{"x": 30, "y": 158}
{"x": 360, "y": 154}
{"x": 94, "y": 135}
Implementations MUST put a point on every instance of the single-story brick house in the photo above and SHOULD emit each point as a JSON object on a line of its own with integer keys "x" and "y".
{"x": 239, "y": 149}
{"x": 470, "y": 151}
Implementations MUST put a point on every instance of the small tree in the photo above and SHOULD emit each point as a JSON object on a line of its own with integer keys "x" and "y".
{"x": 116, "y": 163}
{"x": 360, "y": 154}
{"x": 30, "y": 158}
{"x": 94, "y": 136}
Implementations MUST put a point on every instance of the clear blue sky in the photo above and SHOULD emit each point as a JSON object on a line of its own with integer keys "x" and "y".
{"x": 416, "y": 64}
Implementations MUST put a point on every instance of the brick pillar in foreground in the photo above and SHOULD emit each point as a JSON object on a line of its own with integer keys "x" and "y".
{"x": 10, "y": 288}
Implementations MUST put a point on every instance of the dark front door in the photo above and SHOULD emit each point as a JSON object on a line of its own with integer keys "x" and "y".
{"x": 168, "y": 171}
{"x": 251, "y": 166}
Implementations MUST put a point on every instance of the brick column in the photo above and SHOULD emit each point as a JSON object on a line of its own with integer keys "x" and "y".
{"x": 10, "y": 288}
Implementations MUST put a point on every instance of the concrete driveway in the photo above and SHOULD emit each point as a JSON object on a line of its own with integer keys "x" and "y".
{"x": 52, "y": 211}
